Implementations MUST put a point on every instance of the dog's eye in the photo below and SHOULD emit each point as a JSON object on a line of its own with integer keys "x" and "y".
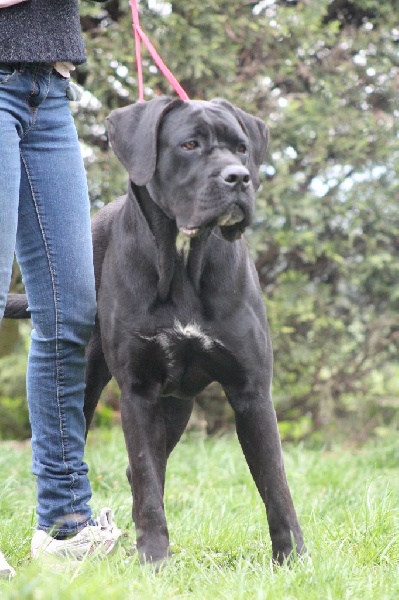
{"x": 190, "y": 145}
{"x": 242, "y": 148}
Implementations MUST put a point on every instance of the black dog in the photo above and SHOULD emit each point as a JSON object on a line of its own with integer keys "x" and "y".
{"x": 175, "y": 317}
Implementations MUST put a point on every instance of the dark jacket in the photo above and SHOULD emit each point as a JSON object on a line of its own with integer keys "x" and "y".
{"x": 41, "y": 31}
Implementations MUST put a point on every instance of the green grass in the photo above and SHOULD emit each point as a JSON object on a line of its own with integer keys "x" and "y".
{"x": 347, "y": 500}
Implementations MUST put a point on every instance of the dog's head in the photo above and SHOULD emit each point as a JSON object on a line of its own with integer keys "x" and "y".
{"x": 199, "y": 160}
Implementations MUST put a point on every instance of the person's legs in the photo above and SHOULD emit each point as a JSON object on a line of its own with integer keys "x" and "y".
{"x": 9, "y": 182}
{"x": 43, "y": 188}
{"x": 9, "y": 197}
{"x": 54, "y": 251}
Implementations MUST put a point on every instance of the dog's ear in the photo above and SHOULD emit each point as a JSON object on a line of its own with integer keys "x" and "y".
{"x": 257, "y": 133}
{"x": 133, "y": 132}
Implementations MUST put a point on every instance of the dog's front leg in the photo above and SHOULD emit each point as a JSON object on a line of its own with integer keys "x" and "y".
{"x": 260, "y": 440}
{"x": 144, "y": 430}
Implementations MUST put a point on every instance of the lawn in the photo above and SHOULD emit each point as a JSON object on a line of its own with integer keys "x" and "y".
{"x": 347, "y": 499}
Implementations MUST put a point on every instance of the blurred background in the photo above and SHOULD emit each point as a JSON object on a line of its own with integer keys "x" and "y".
{"x": 324, "y": 76}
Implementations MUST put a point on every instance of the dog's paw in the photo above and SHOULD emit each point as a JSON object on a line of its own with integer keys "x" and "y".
{"x": 154, "y": 554}
{"x": 289, "y": 555}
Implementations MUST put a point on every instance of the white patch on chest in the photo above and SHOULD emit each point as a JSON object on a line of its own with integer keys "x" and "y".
{"x": 193, "y": 330}
{"x": 169, "y": 337}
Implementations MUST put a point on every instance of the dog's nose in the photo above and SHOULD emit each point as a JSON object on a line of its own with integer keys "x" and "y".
{"x": 235, "y": 176}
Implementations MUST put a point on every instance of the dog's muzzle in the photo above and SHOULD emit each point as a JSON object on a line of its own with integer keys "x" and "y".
{"x": 235, "y": 179}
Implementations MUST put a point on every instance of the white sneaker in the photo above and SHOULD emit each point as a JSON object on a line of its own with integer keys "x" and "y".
{"x": 92, "y": 539}
{"x": 6, "y": 571}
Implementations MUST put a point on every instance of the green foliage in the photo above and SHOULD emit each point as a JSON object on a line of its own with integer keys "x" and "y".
{"x": 9, "y": 337}
{"x": 14, "y": 420}
{"x": 327, "y": 232}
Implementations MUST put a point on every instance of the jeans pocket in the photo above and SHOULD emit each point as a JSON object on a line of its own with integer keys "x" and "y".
{"x": 7, "y": 72}
{"x": 60, "y": 83}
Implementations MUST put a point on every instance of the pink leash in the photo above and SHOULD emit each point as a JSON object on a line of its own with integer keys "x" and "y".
{"x": 140, "y": 36}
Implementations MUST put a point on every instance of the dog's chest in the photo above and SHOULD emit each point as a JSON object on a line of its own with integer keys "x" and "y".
{"x": 188, "y": 357}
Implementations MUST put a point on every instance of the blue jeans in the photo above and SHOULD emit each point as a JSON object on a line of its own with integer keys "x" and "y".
{"x": 45, "y": 218}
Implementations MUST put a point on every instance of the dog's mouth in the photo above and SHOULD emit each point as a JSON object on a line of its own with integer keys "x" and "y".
{"x": 231, "y": 222}
{"x": 232, "y": 216}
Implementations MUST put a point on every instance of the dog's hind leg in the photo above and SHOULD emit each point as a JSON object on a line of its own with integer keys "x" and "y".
{"x": 97, "y": 375}
{"x": 260, "y": 440}
{"x": 177, "y": 413}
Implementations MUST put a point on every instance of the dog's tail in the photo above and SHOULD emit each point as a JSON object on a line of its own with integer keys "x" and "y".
{"x": 17, "y": 307}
